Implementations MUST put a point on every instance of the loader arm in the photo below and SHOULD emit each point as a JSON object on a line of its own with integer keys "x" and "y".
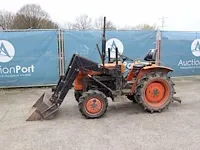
{"x": 45, "y": 108}
{"x": 76, "y": 64}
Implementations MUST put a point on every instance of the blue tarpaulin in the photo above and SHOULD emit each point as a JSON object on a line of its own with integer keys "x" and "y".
{"x": 28, "y": 58}
{"x": 181, "y": 51}
{"x": 31, "y": 57}
{"x": 134, "y": 44}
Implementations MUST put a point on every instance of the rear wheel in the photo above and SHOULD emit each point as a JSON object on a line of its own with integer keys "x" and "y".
{"x": 93, "y": 104}
{"x": 154, "y": 92}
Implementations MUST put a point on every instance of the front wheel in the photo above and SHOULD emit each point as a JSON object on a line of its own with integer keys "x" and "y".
{"x": 93, "y": 104}
{"x": 155, "y": 91}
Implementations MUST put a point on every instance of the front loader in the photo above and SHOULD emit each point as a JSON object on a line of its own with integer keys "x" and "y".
{"x": 145, "y": 84}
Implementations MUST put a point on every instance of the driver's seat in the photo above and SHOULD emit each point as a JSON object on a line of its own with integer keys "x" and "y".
{"x": 151, "y": 55}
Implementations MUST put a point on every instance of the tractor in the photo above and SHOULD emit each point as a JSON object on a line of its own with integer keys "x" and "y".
{"x": 146, "y": 84}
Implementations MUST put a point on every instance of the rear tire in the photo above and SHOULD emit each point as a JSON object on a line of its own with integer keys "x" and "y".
{"x": 93, "y": 104}
{"x": 154, "y": 92}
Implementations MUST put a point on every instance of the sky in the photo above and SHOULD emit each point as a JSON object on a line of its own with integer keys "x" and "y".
{"x": 179, "y": 15}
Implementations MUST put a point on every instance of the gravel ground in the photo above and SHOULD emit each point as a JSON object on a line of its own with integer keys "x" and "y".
{"x": 125, "y": 125}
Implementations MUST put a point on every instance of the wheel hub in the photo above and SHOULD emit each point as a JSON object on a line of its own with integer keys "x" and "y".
{"x": 93, "y": 106}
{"x": 156, "y": 93}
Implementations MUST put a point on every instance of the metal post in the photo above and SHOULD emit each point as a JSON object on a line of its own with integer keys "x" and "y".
{"x": 108, "y": 54}
{"x": 61, "y": 53}
{"x": 116, "y": 53}
{"x": 158, "y": 47}
{"x": 104, "y": 41}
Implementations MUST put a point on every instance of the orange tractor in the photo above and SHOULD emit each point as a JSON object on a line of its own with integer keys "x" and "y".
{"x": 146, "y": 84}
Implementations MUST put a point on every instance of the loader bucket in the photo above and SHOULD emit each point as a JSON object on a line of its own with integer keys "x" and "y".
{"x": 43, "y": 109}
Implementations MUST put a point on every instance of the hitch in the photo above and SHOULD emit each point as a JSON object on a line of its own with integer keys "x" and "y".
{"x": 177, "y": 99}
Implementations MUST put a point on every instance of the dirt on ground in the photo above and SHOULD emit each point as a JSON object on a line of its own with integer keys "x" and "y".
{"x": 125, "y": 126}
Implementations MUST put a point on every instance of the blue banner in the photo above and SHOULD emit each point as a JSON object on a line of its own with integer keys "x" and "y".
{"x": 134, "y": 44}
{"x": 82, "y": 43}
{"x": 181, "y": 51}
{"x": 31, "y": 57}
{"x": 28, "y": 58}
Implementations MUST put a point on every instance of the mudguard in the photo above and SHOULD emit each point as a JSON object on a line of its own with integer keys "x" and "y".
{"x": 158, "y": 67}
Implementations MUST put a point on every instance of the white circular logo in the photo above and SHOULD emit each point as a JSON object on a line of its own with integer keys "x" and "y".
{"x": 112, "y": 44}
{"x": 7, "y": 51}
{"x": 195, "y": 47}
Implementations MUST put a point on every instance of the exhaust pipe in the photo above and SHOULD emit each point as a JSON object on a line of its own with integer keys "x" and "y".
{"x": 43, "y": 109}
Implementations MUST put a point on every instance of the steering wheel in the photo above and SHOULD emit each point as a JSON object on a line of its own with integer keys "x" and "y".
{"x": 124, "y": 58}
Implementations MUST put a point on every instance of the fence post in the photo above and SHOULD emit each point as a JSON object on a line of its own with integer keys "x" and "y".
{"x": 158, "y": 46}
{"x": 61, "y": 53}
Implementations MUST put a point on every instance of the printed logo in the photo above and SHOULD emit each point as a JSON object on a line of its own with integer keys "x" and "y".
{"x": 192, "y": 63}
{"x": 112, "y": 44}
{"x": 195, "y": 47}
{"x": 7, "y": 51}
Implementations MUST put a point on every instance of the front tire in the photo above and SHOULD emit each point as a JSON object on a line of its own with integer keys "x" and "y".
{"x": 93, "y": 104}
{"x": 154, "y": 92}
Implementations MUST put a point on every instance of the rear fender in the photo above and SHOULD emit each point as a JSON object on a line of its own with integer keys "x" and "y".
{"x": 148, "y": 69}
{"x": 157, "y": 68}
